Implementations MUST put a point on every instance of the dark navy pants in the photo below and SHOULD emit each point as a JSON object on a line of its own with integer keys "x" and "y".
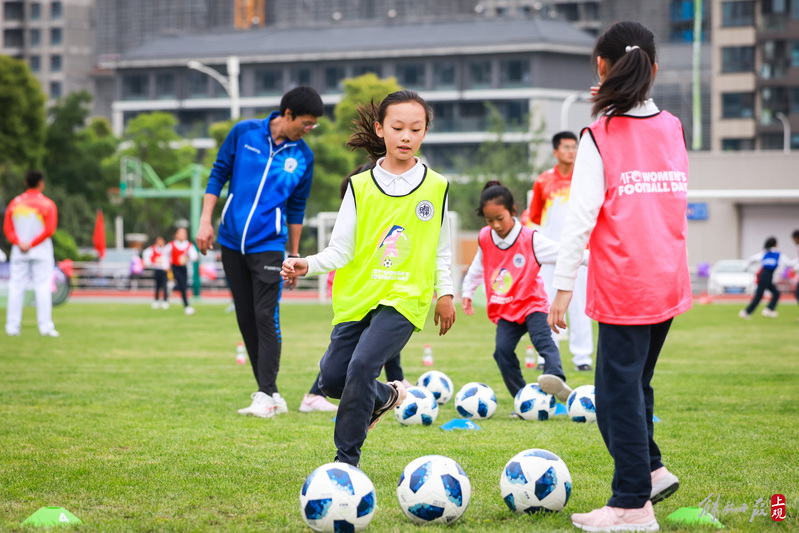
{"x": 181, "y": 275}
{"x": 765, "y": 282}
{"x": 160, "y": 282}
{"x": 393, "y": 373}
{"x": 256, "y": 294}
{"x": 626, "y": 358}
{"x": 349, "y": 371}
{"x": 508, "y": 336}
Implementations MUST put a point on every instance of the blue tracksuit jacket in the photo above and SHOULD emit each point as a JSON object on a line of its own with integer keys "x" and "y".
{"x": 269, "y": 186}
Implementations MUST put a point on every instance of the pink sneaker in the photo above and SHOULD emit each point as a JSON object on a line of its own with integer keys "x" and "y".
{"x": 617, "y": 519}
{"x": 314, "y": 402}
{"x": 664, "y": 484}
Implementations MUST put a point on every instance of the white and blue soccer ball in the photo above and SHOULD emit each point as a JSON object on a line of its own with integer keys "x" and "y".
{"x": 337, "y": 497}
{"x": 531, "y": 403}
{"x": 439, "y": 384}
{"x": 418, "y": 407}
{"x": 581, "y": 404}
{"x": 434, "y": 489}
{"x": 476, "y": 400}
{"x": 534, "y": 481}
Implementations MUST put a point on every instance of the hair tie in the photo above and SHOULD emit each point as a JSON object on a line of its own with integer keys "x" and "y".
{"x": 629, "y": 48}
{"x": 491, "y": 183}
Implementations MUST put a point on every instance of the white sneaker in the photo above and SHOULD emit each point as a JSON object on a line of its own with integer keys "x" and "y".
{"x": 155, "y": 305}
{"x": 743, "y": 314}
{"x": 664, "y": 484}
{"x": 15, "y": 333}
{"x": 280, "y": 404}
{"x": 769, "y": 313}
{"x": 262, "y": 406}
{"x": 555, "y": 386}
{"x": 51, "y": 333}
{"x": 164, "y": 305}
{"x": 189, "y": 310}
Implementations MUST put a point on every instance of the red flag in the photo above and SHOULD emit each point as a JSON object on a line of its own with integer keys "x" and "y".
{"x": 99, "y": 234}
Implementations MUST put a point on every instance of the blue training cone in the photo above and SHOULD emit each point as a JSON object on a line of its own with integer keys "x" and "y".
{"x": 459, "y": 423}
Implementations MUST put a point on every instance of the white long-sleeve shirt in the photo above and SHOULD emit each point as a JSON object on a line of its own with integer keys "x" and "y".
{"x": 545, "y": 249}
{"x": 585, "y": 201}
{"x": 341, "y": 249}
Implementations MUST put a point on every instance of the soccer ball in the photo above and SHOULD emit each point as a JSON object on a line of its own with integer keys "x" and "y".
{"x": 438, "y": 383}
{"x": 476, "y": 400}
{"x": 337, "y": 497}
{"x": 418, "y": 407}
{"x": 534, "y": 481}
{"x": 386, "y": 263}
{"x": 582, "y": 404}
{"x": 531, "y": 403}
{"x": 433, "y": 488}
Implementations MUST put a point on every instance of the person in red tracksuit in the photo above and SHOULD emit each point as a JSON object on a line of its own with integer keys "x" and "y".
{"x": 629, "y": 197}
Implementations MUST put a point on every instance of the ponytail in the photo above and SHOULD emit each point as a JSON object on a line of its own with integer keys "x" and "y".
{"x": 629, "y": 50}
{"x": 364, "y": 135}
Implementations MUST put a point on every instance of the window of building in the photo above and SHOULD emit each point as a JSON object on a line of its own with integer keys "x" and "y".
{"x": 773, "y": 100}
{"x": 795, "y": 101}
{"x": 472, "y": 116}
{"x": 299, "y": 76}
{"x": 444, "y": 75}
{"x": 411, "y": 75}
{"x": 737, "y": 145}
{"x": 165, "y": 85}
{"x": 795, "y": 53}
{"x": 738, "y": 59}
{"x": 514, "y": 73}
{"x": 268, "y": 81}
{"x": 738, "y": 105}
{"x": 197, "y": 84}
{"x": 13, "y": 11}
{"x": 136, "y": 86}
{"x": 444, "y": 113}
{"x": 795, "y": 9}
{"x": 776, "y": 59}
{"x": 681, "y": 21}
{"x": 36, "y": 11}
{"x": 35, "y": 63}
{"x": 514, "y": 113}
{"x": 360, "y": 70}
{"x": 333, "y": 78}
{"x": 56, "y": 36}
{"x": 36, "y": 37}
{"x": 772, "y": 141}
{"x": 735, "y": 14}
{"x": 479, "y": 74}
{"x": 55, "y": 89}
{"x": 55, "y": 63}
{"x": 56, "y": 10}
{"x": 13, "y": 38}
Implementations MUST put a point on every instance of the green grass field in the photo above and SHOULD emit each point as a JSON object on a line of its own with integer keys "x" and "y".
{"x": 129, "y": 421}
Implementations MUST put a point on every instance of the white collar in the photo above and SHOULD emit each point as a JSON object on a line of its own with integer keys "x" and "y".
{"x": 510, "y": 238}
{"x": 643, "y": 109}
{"x": 415, "y": 172}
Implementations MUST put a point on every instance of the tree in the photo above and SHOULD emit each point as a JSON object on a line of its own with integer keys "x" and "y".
{"x": 361, "y": 90}
{"x": 75, "y": 151}
{"x": 153, "y": 139}
{"x": 512, "y": 163}
{"x": 22, "y": 119}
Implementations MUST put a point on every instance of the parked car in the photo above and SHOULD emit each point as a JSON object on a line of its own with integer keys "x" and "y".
{"x": 732, "y": 276}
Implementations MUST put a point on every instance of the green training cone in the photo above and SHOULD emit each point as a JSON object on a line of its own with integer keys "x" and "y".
{"x": 693, "y": 515}
{"x": 51, "y": 516}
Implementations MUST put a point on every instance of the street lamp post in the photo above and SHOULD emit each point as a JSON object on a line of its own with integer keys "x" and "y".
{"x": 786, "y": 131}
{"x": 229, "y": 82}
{"x": 566, "y": 106}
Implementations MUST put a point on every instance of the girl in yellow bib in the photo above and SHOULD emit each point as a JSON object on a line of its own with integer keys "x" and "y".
{"x": 390, "y": 246}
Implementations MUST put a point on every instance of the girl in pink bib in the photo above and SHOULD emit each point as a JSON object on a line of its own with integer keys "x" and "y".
{"x": 507, "y": 263}
{"x": 628, "y": 196}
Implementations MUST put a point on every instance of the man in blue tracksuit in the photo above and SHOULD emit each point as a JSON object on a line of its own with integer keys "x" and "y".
{"x": 269, "y": 169}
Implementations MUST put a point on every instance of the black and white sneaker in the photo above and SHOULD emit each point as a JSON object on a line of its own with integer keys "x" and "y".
{"x": 397, "y": 397}
{"x": 583, "y": 368}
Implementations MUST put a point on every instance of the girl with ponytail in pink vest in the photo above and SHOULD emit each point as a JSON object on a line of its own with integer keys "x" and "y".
{"x": 509, "y": 257}
{"x": 628, "y": 201}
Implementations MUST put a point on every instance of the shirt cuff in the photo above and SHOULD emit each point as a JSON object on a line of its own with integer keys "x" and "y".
{"x": 563, "y": 283}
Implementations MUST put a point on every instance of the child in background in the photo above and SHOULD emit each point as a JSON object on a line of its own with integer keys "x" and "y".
{"x": 154, "y": 258}
{"x": 507, "y": 262}
{"x": 795, "y": 237}
{"x": 770, "y": 260}
{"x": 178, "y": 253}
{"x": 629, "y": 196}
{"x": 391, "y": 254}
